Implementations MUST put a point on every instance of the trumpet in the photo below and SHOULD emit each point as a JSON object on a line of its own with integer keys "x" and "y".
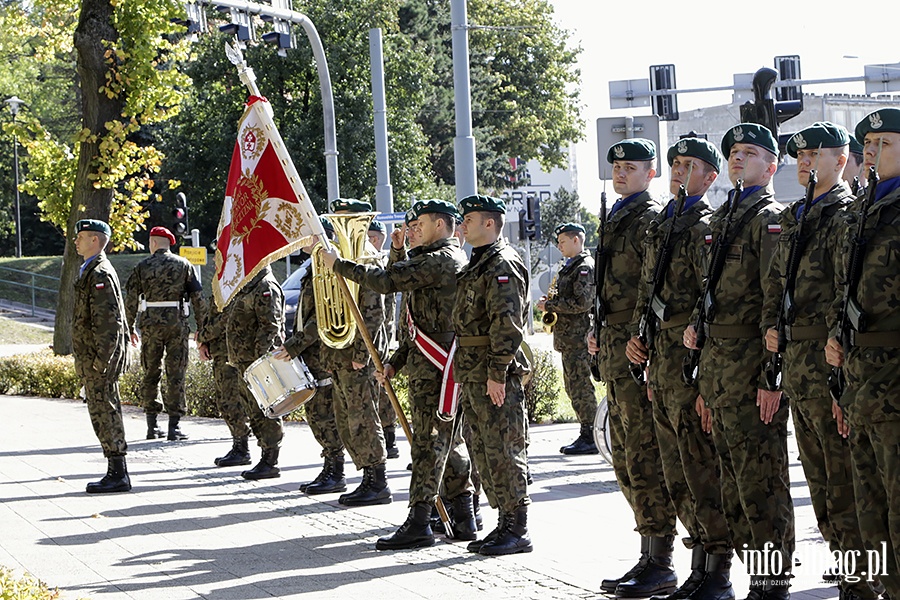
{"x": 549, "y": 318}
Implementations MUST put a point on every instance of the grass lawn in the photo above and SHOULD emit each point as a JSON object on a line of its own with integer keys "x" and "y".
{"x": 14, "y": 332}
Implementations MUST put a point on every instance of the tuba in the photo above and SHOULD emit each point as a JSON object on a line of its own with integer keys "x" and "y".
{"x": 335, "y": 321}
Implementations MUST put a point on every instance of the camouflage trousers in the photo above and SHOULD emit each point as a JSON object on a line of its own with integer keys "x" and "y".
{"x": 691, "y": 468}
{"x": 756, "y": 494}
{"x": 386, "y": 413}
{"x": 268, "y": 432}
{"x": 433, "y": 441}
{"x": 498, "y": 442}
{"x": 876, "y": 480}
{"x": 578, "y": 384}
{"x": 636, "y": 458}
{"x": 320, "y": 417}
{"x": 105, "y": 410}
{"x": 229, "y": 398}
{"x": 356, "y": 415}
{"x": 171, "y": 341}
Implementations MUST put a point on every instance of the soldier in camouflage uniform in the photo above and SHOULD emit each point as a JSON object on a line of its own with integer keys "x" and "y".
{"x": 254, "y": 325}
{"x": 354, "y": 394}
{"x": 853, "y": 171}
{"x": 155, "y": 296}
{"x": 489, "y": 317}
{"x": 572, "y": 302}
{"x": 689, "y": 459}
{"x": 870, "y": 403}
{"x": 429, "y": 282}
{"x": 749, "y": 422}
{"x": 636, "y": 457}
{"x": 824, "y": 452}
{"x": 229, "y": 381}
{"x": 100, "y": 344}
{"x": 305, "y": 343}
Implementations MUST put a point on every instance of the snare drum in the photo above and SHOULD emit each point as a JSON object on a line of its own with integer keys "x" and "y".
{"x": 279, "y": 386}
{"x": 601, "y": 431}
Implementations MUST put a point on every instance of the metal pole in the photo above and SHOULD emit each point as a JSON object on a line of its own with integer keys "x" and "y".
{"x": 18, "y": 217}
{"x": 384, "y": 195}
{"x": 195, "y": 243}
{"x": 530, "y": 324}
{"x": 464, "y": 142}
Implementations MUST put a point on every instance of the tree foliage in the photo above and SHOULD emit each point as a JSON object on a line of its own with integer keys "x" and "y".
{"x": 564, "y": 207}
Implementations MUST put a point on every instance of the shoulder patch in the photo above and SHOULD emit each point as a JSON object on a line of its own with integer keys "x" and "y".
{"x": 99, "y": 286}
{"x": 503, "y": 279}
{"x": 266, "y": 294}
{"x": 708, "y": 238}
{"x": 774, "y": 228}
{"x": 584, "y": 272}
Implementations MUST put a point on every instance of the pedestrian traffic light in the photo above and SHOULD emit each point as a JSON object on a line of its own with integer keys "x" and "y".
{"x": 530, "y": 219}
{"x": 181, "y": 215}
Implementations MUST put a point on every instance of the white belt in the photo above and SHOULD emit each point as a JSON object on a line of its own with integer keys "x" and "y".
{"x": 323, "y": 382}
{"x": 144, "y": 305}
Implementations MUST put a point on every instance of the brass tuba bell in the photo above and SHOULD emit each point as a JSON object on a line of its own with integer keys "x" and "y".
{"x": 335, "y": 321}
{"x": 549, "y": 318}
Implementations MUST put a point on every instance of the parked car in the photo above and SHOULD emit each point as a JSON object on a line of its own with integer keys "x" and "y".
{"x": 291, "y": 287}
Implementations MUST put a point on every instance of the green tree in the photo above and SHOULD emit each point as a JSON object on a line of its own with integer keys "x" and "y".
{"x": 563, "y": 207}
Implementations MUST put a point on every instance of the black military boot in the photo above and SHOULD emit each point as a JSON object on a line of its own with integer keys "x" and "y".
{"x": 265, "y": 468}
{"x": 778, "y": 590}
{"x": 609, "y": 585}
{"x": 694, "y": 580}
{"x": 717, "y": 583}
{"x": 584, "y": 444}
{"x": 238, "y": 455}
{"x": 115, "y": 480}
{"x": 658, "y": 577}
{"x": 477, "y": 545}
{"x": 330, "y": 480}
{"x": 462, "y": 518}
{"x": 414, "y": 533}
{"x": 390, "y": 441}
{"x": 479, "y": 521}
{"x": 153, "y": 430}
{"x": 373, "y": 489}
{"x": 513, "y": 538}
{"x": 756, "y": 591}
{"x": 175, "y": 433}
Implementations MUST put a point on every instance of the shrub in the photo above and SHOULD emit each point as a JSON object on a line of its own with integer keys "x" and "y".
{"x": 24, "y": 588}
{"x": 543, "y": 389}
{"x": 39, "y": 373}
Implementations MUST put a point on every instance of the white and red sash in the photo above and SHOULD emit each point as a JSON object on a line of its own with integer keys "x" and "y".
{"x": 443, "y": 360}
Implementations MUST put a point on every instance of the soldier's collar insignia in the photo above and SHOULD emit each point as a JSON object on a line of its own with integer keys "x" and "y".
{"x": 619, "y": 151}
{"x": 738, "y": 134}
{"x": 875, "y": 121}
{"x": 799, "y": 141}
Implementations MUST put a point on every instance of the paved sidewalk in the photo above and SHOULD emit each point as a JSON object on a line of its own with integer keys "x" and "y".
{"x": 190, "y": 530}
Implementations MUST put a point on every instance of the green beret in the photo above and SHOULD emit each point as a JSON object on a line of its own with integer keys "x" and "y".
{"x": 482, "y": 203}
{"x": 856, "y": 147}
{"x": 567, "y": 227}
{"x": 377, "y": 226}
{"x": 326, "y": 224}
{"x": 696, "y": 148}
{"x": 350, "y": 205}
{"x": 411, "y": 215}
{"x": 823, "y": 133}
{"x": 883, "y": 119}
{"x": 749, "y": 133}
{"x": 631, "y": 149}
{"x": 436, "y": 206}
{"x": 93, "y": 225}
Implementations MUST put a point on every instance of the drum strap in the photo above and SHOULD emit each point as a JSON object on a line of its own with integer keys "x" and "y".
{"x": 443, "y": 361}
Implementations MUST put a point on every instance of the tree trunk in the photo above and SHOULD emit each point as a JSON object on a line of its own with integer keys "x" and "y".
{"x": 95, "y": 26}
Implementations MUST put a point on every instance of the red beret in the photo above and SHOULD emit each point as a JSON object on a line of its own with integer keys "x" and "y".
{"x": 163, "y": 232}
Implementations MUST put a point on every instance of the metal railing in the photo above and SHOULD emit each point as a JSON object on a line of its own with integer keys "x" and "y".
{"x": 32, "y": 285}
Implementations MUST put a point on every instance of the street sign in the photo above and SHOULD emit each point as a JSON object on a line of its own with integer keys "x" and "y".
{"x": 195, "y": 256}
{"x": 395, "y": 217}
{"x": 611, "y": 130}
{"x": 882, "y": 78}
{"x": 629, "y": 93}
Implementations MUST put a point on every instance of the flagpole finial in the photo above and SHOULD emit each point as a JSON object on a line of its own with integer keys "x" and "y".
{"x": 248, "y": 77}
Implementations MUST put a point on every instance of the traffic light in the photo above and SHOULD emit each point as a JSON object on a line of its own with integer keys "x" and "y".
{"x": 530, "y": 219}
{"x": 662, "y": 77}
{"x": 281, "y": 34}
{"x": 181, "y": 215}
{"x": 241, "y": 24}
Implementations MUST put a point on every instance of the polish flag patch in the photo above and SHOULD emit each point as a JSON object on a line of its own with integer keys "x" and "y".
{"x": 266, "y": 294}
{"x": 708, "y": 238}
{"x": 503, "y": 279}
{"x": 774, "y": 228}
{"x": 583, "y": 272}
{"x": 99, "y": 286}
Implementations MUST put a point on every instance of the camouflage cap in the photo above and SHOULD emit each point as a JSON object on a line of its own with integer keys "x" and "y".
{"x": 93, "y": 225}
{"x": 822, "y": 134}
{"x": 883, "y": 119}
{"x": 749, "y": 133}
{"x": 377, "y": 226}
{"x": 163, "y": 232}
{"x": 350, "y": 205}
{"x": 855, "y": 146}
{"x": 481, "y": 203}
{"x": 631, "y": 149}
{"x": 436, "y": 206}
{"x": 566, "y": 228}
{"x": 696, "y": 148}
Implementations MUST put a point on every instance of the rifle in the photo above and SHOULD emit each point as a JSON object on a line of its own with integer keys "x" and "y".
{"x": 599, "y": 310}
{"x": 655, "y": 307}
{"x": 785, "y": 315}
{"x": 852, "y": 316}
{"x": 691, "y": 362}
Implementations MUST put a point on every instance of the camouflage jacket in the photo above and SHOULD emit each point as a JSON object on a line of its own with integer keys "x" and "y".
{"x": 304, "y": 341}
{"x": 429, "y": 282}
{"x": 623, "y": 235}
{"x": 872, "y": 374}
{"x": 490, "y": 313}
{"x": 575, "y": 289}
{"x": 254, "y": 319}
{"x": 738, "y": 297}
{"x": 681, "y": 287}
{"x": 99, "y": 332}
{"x": 162, "y": 277}
{"x": 212, "y": 333}
{"x": 805, "y": 372}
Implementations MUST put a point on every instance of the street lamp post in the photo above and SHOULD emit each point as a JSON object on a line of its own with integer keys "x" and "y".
{"x": 14, "y": 104}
